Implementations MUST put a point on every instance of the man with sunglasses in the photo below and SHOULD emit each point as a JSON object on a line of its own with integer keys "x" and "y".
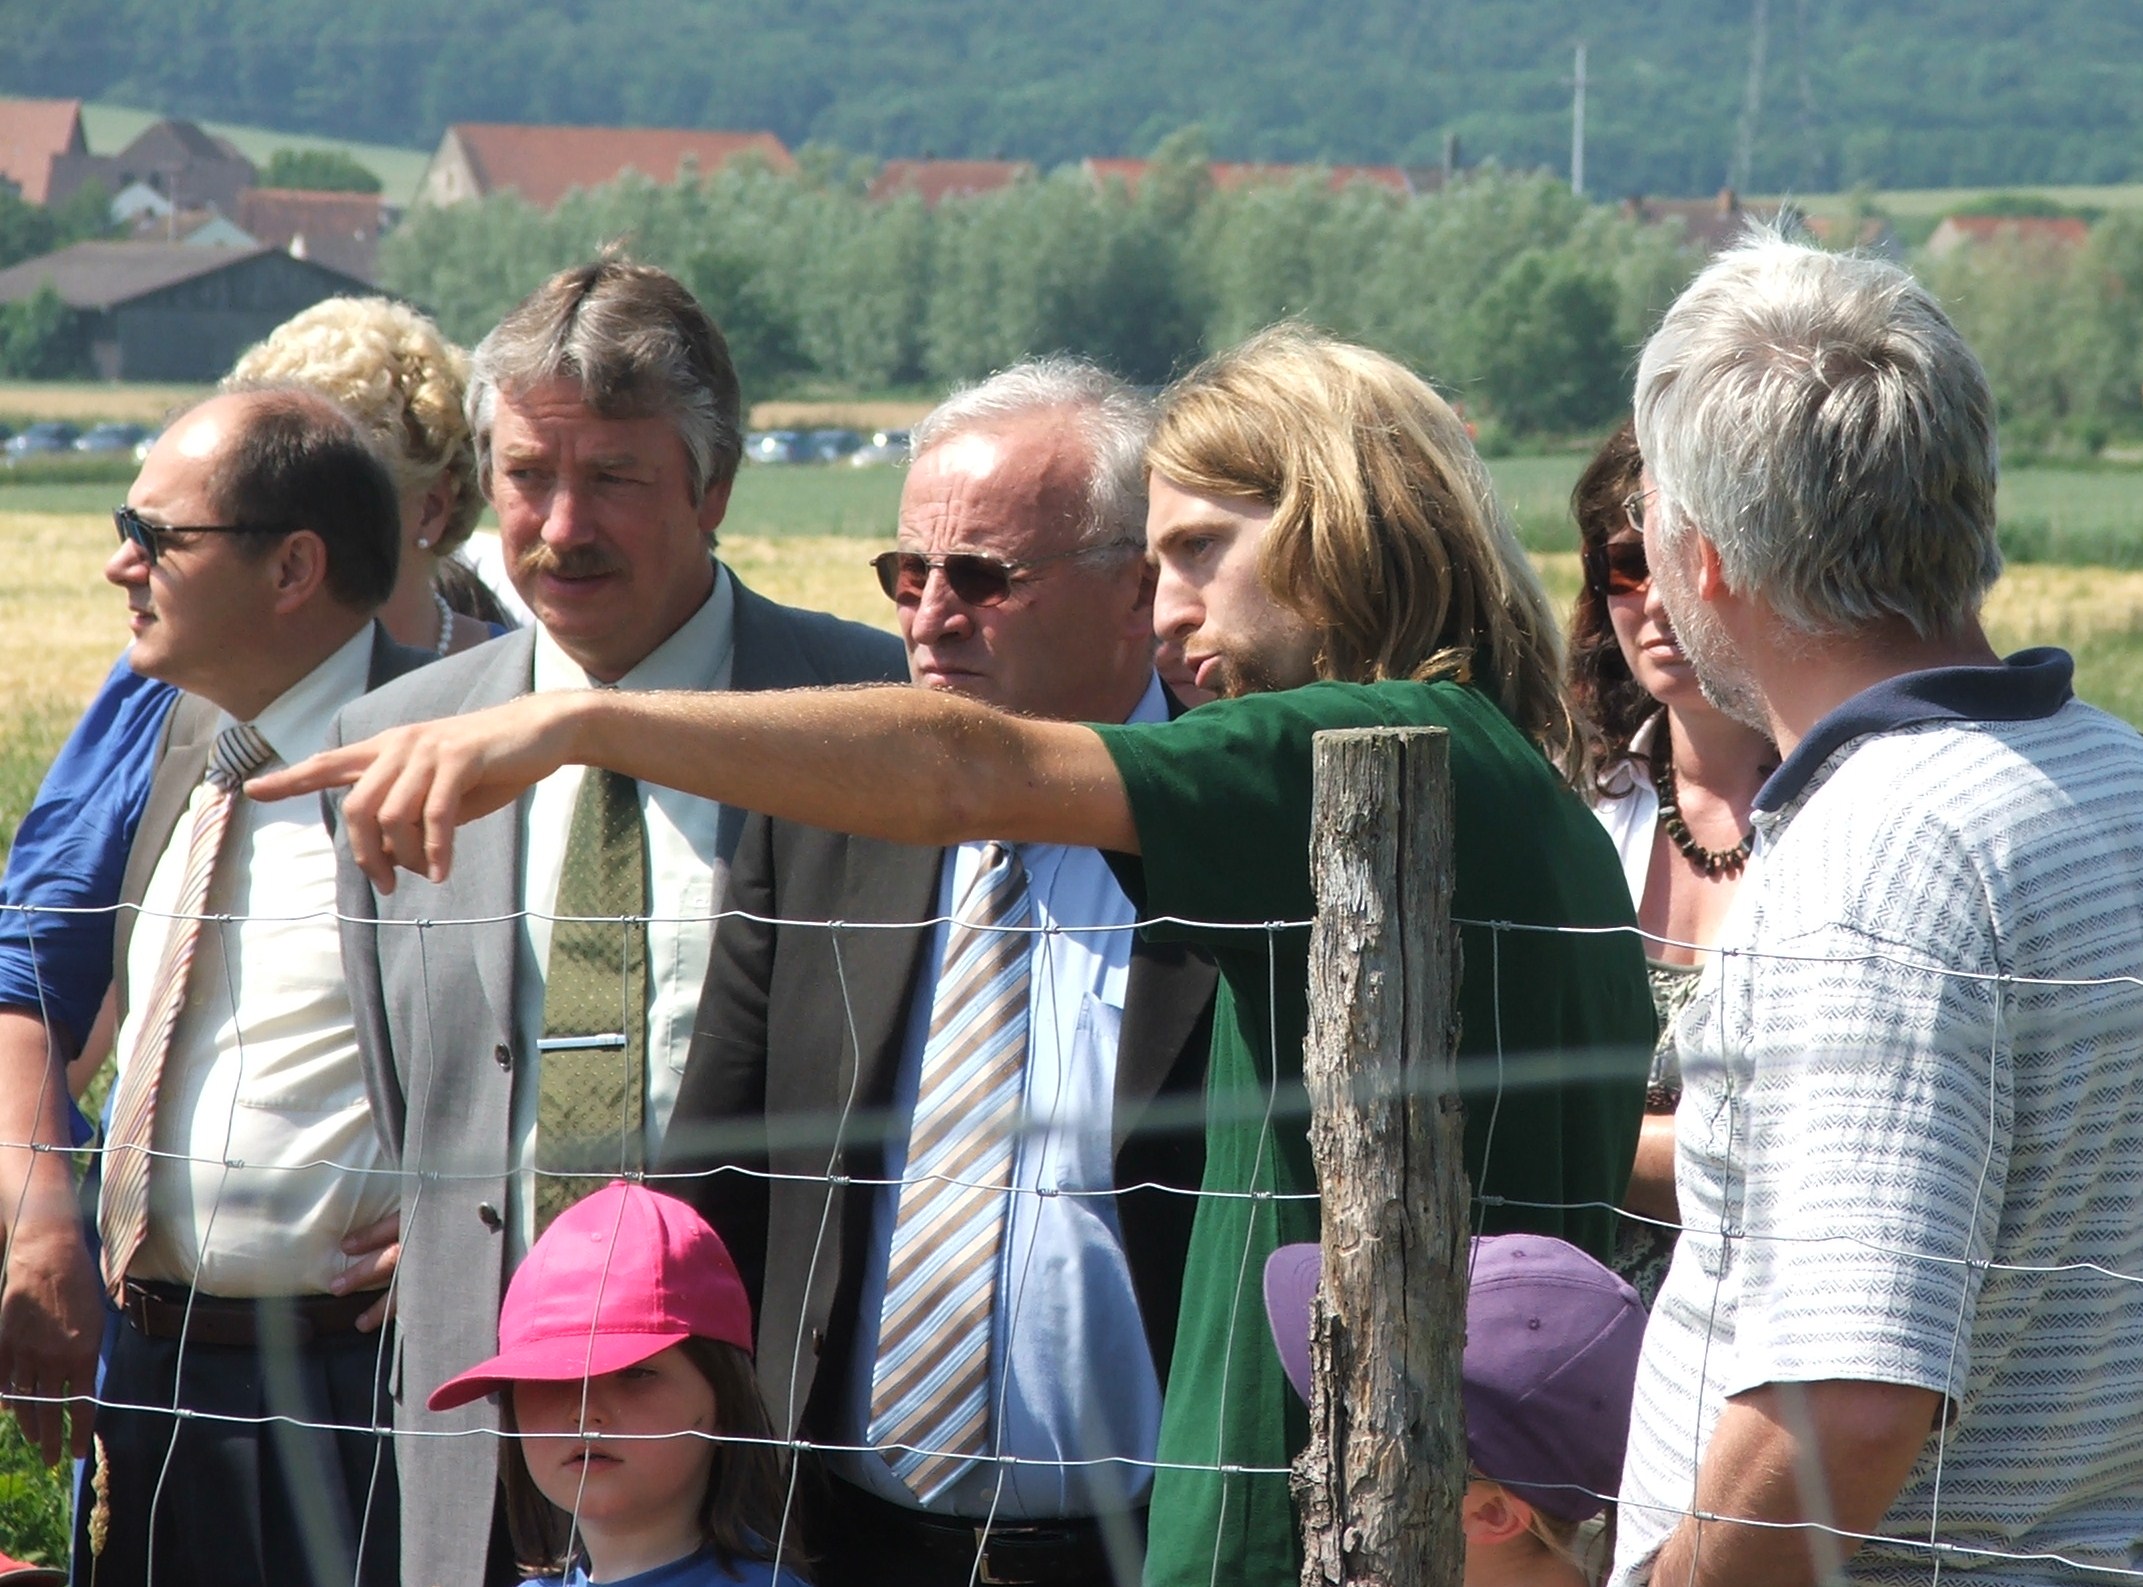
{"x": 256, "y": 545}
{"x": 533, "y": 1049}
{"x": 1019, "y": 581}
{"x": 1329, "y": 553}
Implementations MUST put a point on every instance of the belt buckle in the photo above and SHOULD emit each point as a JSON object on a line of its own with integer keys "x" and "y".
{"x": 985, "y": 1574}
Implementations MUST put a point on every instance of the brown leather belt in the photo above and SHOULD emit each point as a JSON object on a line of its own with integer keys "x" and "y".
{"x": 165, "y": 1311}
{"x": 1068, "y": 1553}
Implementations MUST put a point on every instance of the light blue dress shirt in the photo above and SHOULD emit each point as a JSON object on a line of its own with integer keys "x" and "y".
{"x": 1071, "y": 1372}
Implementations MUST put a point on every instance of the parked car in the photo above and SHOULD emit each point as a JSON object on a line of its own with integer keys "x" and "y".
{"x": 884, "y": 446}
{"x": 831, "y": 446}
{"x": 111, "y": 438}
{"x": 41, "y": 439}
{"x": 775, "y": 446}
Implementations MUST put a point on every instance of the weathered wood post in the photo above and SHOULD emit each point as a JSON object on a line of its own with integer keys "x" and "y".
{"x": 1381, "y": 1480}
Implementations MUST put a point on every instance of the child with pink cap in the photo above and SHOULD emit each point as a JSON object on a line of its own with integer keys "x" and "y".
{"x": 640, "y": 1454}
{"x": 1551, "y": 1361}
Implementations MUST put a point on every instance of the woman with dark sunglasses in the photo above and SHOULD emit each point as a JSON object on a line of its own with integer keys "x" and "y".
{"x": 1671, "y": 777}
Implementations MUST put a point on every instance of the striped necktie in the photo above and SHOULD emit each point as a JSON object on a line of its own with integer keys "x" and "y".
{"x": 123, "y": 1203}
{"x": 930, "y": 1388}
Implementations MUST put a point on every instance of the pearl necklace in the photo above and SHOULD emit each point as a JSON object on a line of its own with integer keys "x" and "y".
{"x": 1712, "y": 862}
{"x": 446, "y": 623}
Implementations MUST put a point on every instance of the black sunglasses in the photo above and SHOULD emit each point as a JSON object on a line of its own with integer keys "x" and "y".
{"x": 150, "y": 536}
{"x": 973, "y": 578}
{"x": 1617, "y": 567}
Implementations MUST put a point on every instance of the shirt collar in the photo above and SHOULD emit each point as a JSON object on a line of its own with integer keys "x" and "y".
{"x": 2025, "y": 687}
{"x": 1152, "y": 705}
{"x": 691, "y": 658}
{"x": 295, "y": 722}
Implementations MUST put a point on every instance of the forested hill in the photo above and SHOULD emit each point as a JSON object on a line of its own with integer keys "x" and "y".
{"x": 1901, "y": 93}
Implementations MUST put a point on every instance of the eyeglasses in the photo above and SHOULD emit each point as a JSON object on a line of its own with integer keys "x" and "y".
{"x": 1633, "y": 507}
{"x": 973, "y": 578}
{"x": 1617, "y": 567}
{"x": 150, "y": 537}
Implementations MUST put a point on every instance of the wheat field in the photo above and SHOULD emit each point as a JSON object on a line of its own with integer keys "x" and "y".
{"x": 61, "y": 623}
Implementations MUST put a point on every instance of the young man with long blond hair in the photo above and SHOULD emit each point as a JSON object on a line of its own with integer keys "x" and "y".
{"x": 1329, "y": 554}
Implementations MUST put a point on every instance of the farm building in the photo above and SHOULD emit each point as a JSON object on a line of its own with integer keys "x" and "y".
{"x": 33, "y": 134}
{"x": 191, "y": 168}
{"x": 173, "y": 311}
{"x": 543, "y": 164}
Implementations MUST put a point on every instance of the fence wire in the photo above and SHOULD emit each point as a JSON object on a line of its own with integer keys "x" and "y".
{"x": 1281, "y": 1102}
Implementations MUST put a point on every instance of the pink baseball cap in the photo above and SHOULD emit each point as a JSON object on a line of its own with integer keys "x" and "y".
{"x": 619, "y": 1276}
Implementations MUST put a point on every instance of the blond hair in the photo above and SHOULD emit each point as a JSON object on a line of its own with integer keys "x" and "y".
{"x": 1386, "y": 533}
{"x": 403, "y": 381}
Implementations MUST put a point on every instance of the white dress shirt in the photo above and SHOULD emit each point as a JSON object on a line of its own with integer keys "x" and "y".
{"x": 681, "y": 837}
{"x": 262, "y": 1100}
{"x": 1070, "y": 1368}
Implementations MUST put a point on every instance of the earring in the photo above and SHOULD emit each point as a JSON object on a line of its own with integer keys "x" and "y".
{"x": 423, "y": 544}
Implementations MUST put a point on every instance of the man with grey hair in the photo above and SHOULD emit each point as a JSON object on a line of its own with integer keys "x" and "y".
{"x": 1020, "y": 581}
{"x": 1903, "y": 1331}
{"x": 607, "y": 425}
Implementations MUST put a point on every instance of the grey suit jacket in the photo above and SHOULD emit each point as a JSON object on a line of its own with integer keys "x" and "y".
{"x": 787, "y": 1075}
{"x": 434, "y": 1008}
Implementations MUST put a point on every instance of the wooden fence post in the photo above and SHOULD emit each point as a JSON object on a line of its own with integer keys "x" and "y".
{"x": 1385, "y": 1469}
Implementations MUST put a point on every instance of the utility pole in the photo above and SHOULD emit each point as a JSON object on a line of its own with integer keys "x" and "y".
{"x": 1752, "y": 99}
{"x": 1577, "y": 125}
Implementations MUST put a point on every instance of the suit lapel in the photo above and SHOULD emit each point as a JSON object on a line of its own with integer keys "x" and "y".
{"x": 884, "y": 882}
{"x": 491, "y": 868}
{"x": 181, "y": 763}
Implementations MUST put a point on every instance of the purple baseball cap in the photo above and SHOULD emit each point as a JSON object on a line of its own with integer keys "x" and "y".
{"x": 1551, "y": 1358}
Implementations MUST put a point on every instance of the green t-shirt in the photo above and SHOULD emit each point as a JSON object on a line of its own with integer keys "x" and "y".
{"x": 1221, "y": 799}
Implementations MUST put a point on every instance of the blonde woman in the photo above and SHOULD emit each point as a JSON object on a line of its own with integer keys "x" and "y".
{"x": 389, "y": 366}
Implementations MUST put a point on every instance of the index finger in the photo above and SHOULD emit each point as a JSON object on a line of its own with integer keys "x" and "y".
{"x": 331, "y": 768}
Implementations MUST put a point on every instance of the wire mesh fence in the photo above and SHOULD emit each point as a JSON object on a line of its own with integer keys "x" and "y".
{"x": 2078, "y": 1284}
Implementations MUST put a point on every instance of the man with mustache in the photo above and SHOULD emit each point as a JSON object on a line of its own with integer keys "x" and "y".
{"x": 519, "y": 1060}
{"x": 1329, "y": 553}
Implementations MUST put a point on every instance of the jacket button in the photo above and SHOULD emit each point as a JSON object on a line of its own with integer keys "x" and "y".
{"x": 488, "y": 1216}
{"x": 818, "y": 1341}
{"x": 503, "y": 1056}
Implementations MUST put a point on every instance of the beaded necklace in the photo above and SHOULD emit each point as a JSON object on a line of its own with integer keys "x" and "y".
{"x": 446, "y": 622}
{"x": 1712, "y": 862}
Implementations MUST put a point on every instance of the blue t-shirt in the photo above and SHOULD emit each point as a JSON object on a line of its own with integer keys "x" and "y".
{"x": 694, "y": 1570}
{"x": 70, "y": 853}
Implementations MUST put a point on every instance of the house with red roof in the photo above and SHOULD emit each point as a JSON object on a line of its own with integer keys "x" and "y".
{"x": 33, "y": 133}
{"x": 934, "y": 181}
{"x": 476, "y": 159}
{"x": 338, "y": 230}
{"x": 2042, "y": 231}
{"x": 1230, "y": 176}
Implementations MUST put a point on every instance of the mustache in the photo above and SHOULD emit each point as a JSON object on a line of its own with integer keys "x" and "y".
{"x": 575, "y": 562}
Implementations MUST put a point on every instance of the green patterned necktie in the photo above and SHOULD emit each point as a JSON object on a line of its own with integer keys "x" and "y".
{"x": 591, "y": 1097}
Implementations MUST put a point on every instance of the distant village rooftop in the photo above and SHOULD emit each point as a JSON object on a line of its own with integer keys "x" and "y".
{"x": 476, "y": 159}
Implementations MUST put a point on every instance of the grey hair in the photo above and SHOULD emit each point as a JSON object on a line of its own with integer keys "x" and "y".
{"x": 1823, "y": 423}
{"x": 1116, "y": 418}
{"x": 637, "y": 344}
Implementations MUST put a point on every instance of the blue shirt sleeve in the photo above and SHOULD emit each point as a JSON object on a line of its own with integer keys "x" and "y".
{"x": 70, "y": 854}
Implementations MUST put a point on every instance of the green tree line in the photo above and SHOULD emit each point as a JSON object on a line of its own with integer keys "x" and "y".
{"x": 1523, "y": 301}
{"x": 2060, "y": 329}
{"x": 1911, "y": 93}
